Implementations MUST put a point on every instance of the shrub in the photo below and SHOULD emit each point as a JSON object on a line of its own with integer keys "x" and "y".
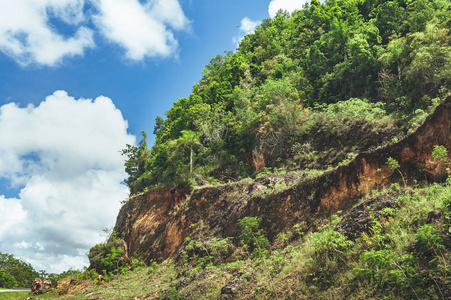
{"x": 429, "y": 239}
{"x": 6, "y": 280}
{"x": 252, "y": 236}
{"x": 440, "y": 153}
{"x": 386, "y": 269}
{"x": 392, "y": 164}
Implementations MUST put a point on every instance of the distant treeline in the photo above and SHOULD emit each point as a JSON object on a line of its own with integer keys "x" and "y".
{"x": 15, "y": 272}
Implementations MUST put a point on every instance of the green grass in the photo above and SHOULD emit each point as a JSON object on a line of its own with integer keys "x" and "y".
{"x": 15, "y": 295}
{"x": 315, "y": 265}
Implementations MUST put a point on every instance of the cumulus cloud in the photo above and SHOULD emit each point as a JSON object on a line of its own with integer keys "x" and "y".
{"x": 142, "y": 30}
{"x": 285, "y": 5}
{"x": 28, "y": 35}
{"x": 247, "y": 27}
{"x": 64, "y": 155}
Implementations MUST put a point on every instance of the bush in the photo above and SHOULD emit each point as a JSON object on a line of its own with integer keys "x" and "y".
{"x": 107, "y": 257}
{"x": 386, "y": 269}
{"x": 429, "y": 239}
{"x": 6, "y": 280}
{"x": 253, "y": 237}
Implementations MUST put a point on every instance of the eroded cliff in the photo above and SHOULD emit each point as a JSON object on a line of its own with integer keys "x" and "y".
{"x": 155, "y": 224}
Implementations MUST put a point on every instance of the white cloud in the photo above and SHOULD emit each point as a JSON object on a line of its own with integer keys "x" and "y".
{"x": 169, "y": 12}
{"x": 13, "y": 216}
{"x": 65, "y": 155}
{"x": 247, "y": 27}
{"x": 26, "y": 36}
{"x": 142, "y": 30}
{"x": 288, "y": 5}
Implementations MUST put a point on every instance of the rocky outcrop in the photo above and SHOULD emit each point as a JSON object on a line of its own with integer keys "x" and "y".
{"x": 155, "y": 224}
{"x": 360, "y": 218}
{"x": 40, "y": 286}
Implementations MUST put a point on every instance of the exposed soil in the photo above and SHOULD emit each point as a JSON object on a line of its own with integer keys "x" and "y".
{"x": 155, "y": 224}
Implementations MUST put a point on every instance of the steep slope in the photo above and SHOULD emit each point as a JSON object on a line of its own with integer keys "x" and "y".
{"x": 155, "y": 223}
{"x": 300, "y": 89}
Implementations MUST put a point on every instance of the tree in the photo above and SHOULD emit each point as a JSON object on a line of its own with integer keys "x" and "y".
{"x": 21, "y": 271}
{"x": 6, "y": 280}
{"x": 188, "y": 139}
{"x": 135, "y": 165}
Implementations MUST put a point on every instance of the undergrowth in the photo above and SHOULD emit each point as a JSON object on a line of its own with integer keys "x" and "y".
{"x": 404, "y": 253}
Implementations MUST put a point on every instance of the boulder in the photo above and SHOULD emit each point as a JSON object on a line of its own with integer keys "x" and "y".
{"x": 40, "y": 286}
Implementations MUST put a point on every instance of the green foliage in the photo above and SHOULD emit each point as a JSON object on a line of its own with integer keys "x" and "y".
{"x": 429, "y": 239}
{"x": 447, "y": 212}
{"x": 21, "y": 271}
{"x": 440, "y": 153}
{"x": 107, "y": 258}
{"x": 402, "y": 253}
{"x": 329, "y": 251}
{"x": 135, "y": 164}
{"x": 330, "y": 244}
{"x": 209, "y": 252}
{"x": 389, "y": 270}
{"x": 392, "y": 164}
{"x": 111, "y": 259}
{"x": 6, "y": 280}
{"x": 343, "y": 76}
{"x": 253, "y": 237}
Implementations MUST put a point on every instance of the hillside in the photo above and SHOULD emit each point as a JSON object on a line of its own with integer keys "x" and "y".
{"x": 307, "y": 91}
{"x": 156, "y": 224}
{"x": 311, "y": 163}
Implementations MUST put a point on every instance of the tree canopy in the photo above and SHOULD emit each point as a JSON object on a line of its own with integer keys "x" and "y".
{"x": 15, "y": 272}
{"x": 303, "y": 91}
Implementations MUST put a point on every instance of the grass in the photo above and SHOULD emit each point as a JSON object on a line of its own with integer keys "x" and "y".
{"x": 15, "y": 295}
{"x": 315, "y": 265}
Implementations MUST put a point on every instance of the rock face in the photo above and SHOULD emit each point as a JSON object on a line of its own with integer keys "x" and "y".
{"x": 359, "y": 219}
{"x": 40, "y": 286}
{"x": 155, "y": 224}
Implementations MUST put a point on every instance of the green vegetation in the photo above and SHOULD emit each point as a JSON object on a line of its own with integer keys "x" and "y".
{"x": 304, "y": 91}
{"x": 14, "y": 295}
{"x": 21, "y": 272}
{"x": 303, "y": 94}
{"x": 253, "y": 237}
{"x": 106, "y": 258}
{"x": 6, "y": 280}
{"x": 403, "y": 252}
{"x": 440, "y": 153}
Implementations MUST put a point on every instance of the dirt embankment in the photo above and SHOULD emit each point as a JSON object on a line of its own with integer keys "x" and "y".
{"x": 156, "y": 223}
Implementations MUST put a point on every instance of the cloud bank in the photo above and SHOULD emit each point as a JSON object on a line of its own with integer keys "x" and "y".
{"x": 64, "y": 155}
{"x": 141, "y": 29}
{"x": 28, "y": 34}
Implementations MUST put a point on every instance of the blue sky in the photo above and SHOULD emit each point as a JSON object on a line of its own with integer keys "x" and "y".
{"x": 80, "y": 79}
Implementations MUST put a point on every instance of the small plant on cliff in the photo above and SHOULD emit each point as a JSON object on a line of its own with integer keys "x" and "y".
{"x": 393, "y": 165}
{"x": 440, "y": 153}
